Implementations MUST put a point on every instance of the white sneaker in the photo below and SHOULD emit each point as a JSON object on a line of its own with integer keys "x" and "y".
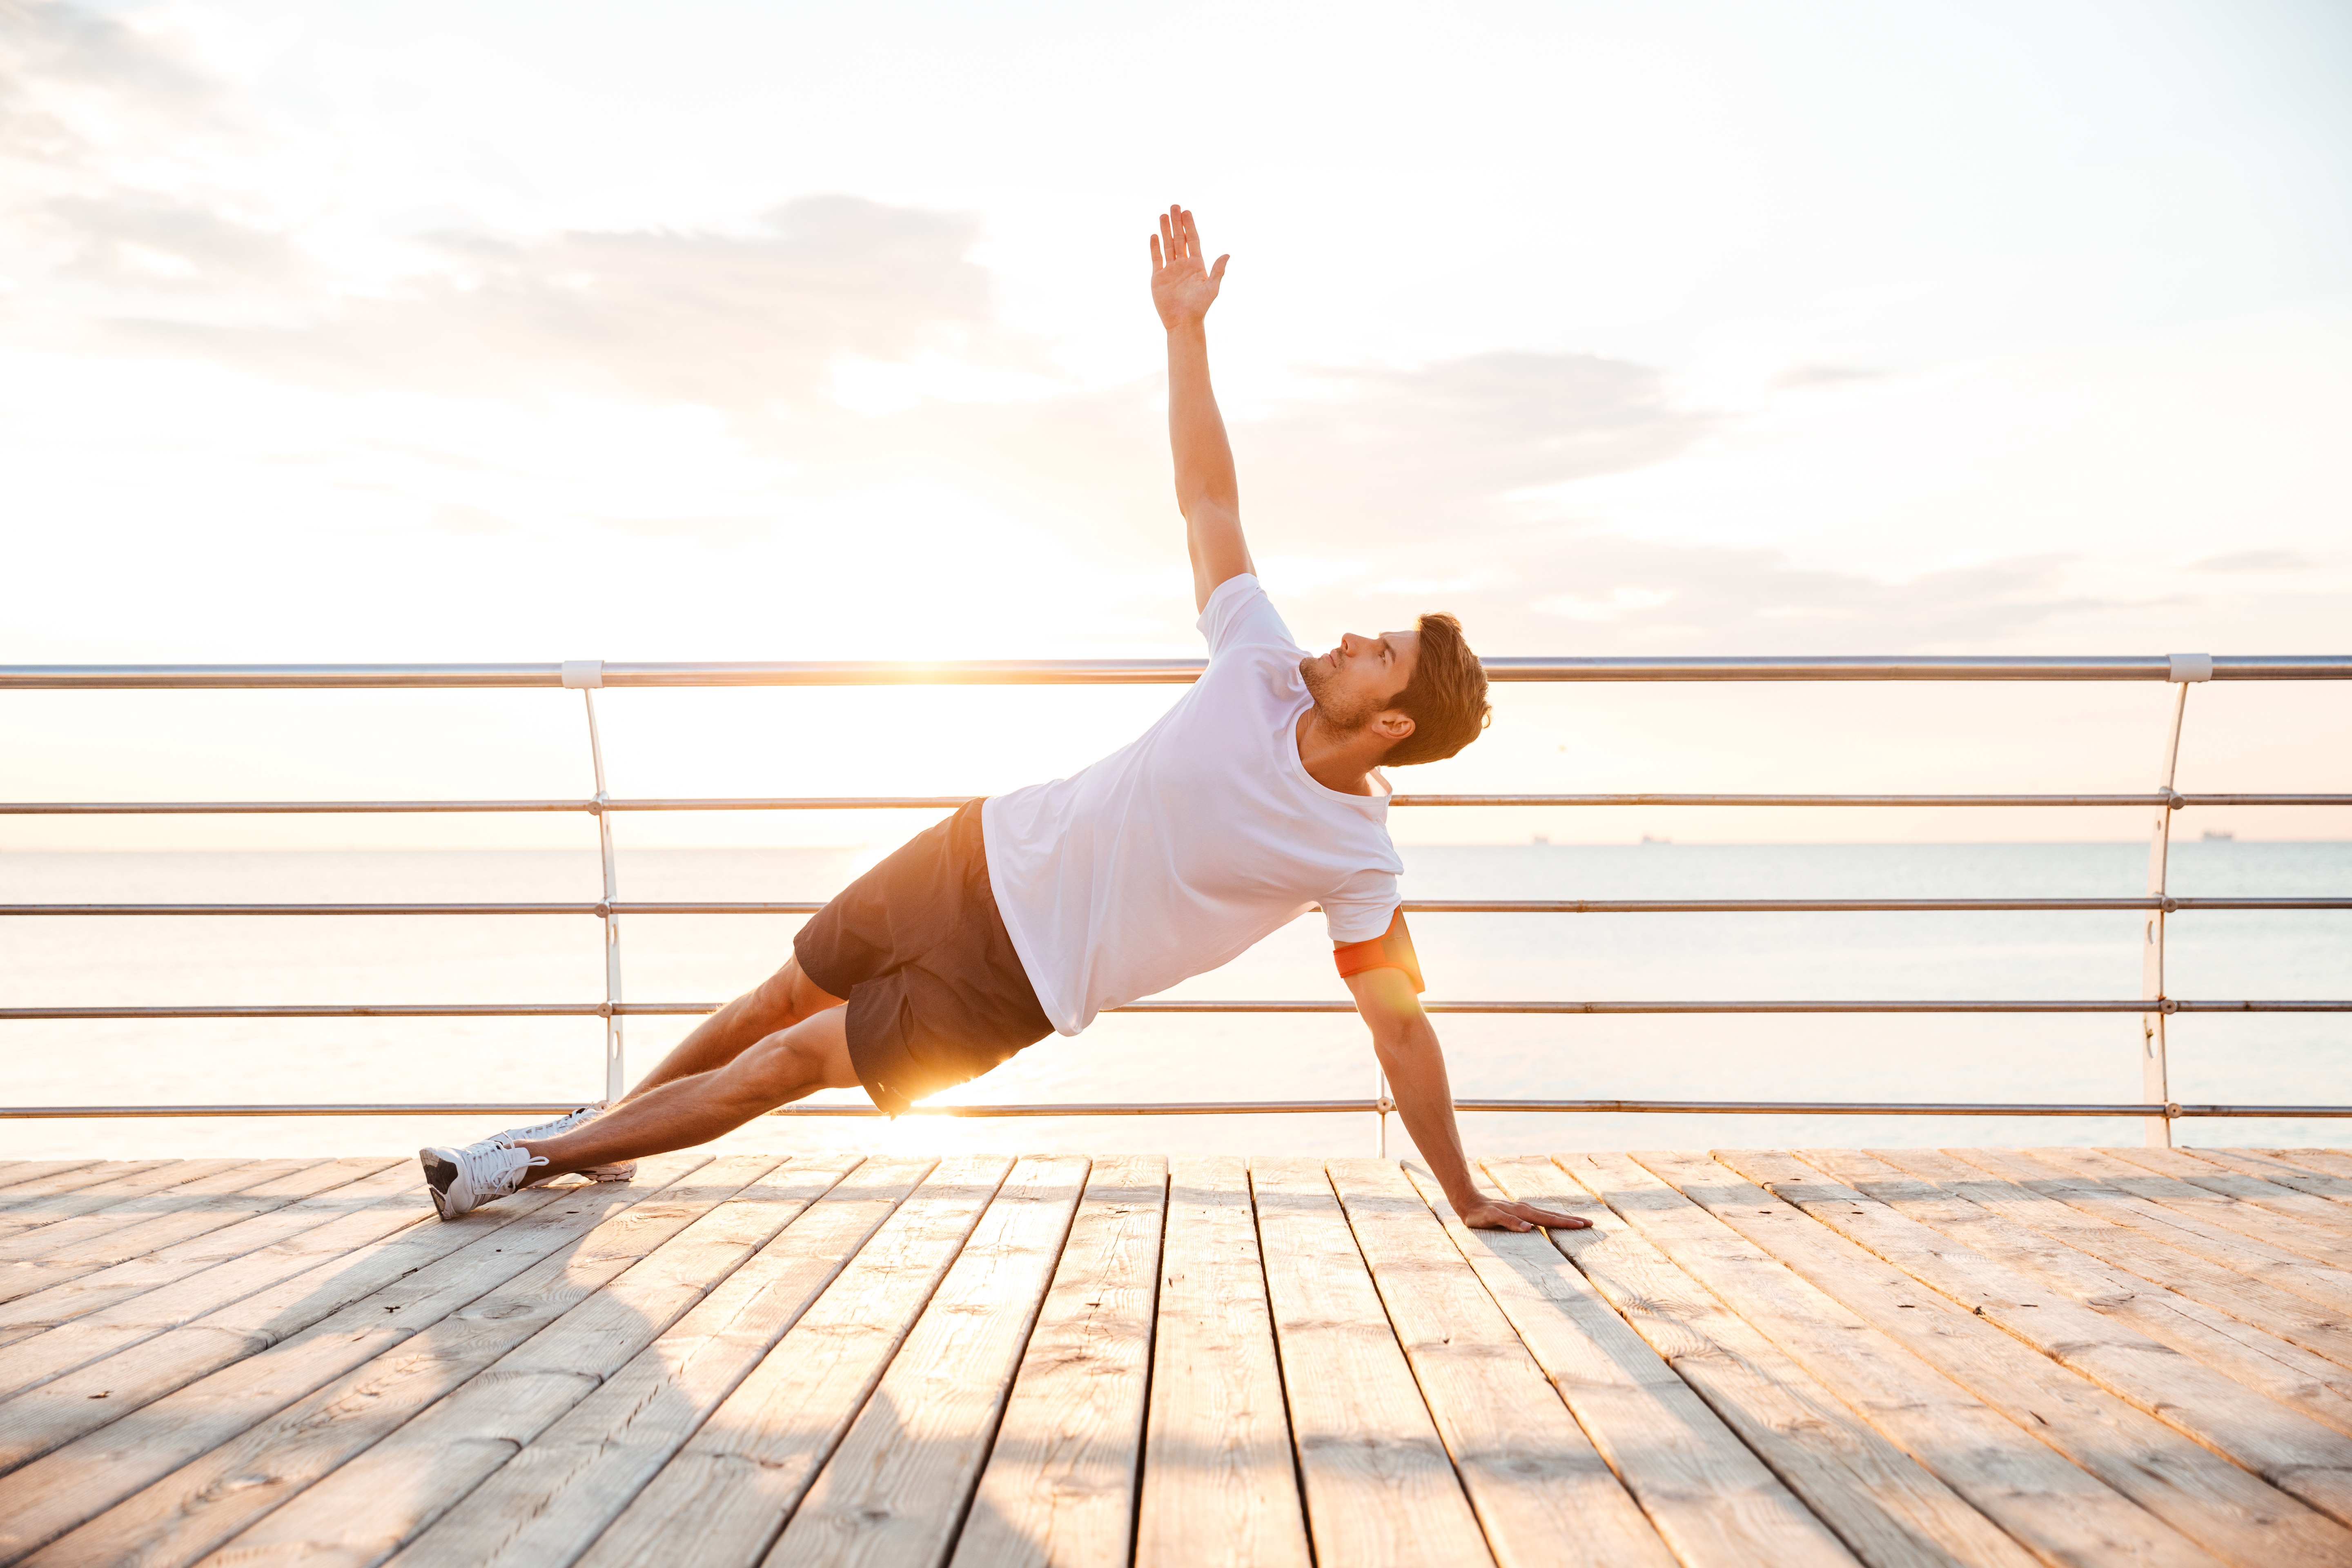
{"x": 463, "y": 1180}
{"x": 620, "y": 1172}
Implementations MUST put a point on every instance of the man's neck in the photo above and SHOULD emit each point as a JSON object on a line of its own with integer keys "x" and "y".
{"x": 1338, "y": 760}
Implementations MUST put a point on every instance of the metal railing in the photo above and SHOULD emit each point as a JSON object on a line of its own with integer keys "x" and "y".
{"x": 2153, "y": 1005}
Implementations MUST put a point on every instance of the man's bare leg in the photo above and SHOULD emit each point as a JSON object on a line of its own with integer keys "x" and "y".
{"x": 782, "y": 1000}
{"x": 686, "y": 1111}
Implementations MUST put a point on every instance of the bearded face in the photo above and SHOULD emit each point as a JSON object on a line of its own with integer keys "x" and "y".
{"x": 1343, "y": 707}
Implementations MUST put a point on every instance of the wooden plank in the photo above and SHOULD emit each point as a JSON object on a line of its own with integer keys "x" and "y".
{"x": 2210, "y": 1176}
{"x": 720, "y": 1501}
{"x": 2204, "y": 1497}
{"x": 551, "y": 1501}
{"x": 100, "y": 1314}
{"x": 183, "y": 1212}
{"x": 1379, "y": 1486}
{"x": 2295, "y": 1453}
{"x": 1220, "y": 1487}
{"x": 1542, "y": 1490}
{"x": 18, "y": 1203}
{"x": 2233, "y": 1249}
{"x": 1710, "y": 1499}
{"x": 1059, "y": 1487}
{"x": 2270, "y": 1169}
{"x": 73, "y": 1296}
{"x": 2048, "y": 1505}
{"x": 129, "y": 1180}
{"x": 84, "y": 1477}
{"x": 200, "y": 1216}
{"x": 2327, "y": 1162}
{"x": 1936, "y": 1191}
{"x": 16, "y": 1174}
{"x": 98, "y": 1234}
{"x": 97, "y": 1369}
{"x": 2226, "y": 1218}
{"x": 896, "y": 1489}
{"x": 499, "y": 1376}
{"x": 2035, "y": 1196}
{"x": 102, "y": 1391}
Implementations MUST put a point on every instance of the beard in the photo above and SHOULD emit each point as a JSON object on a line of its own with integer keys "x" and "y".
{"x": 1340, "y": 712}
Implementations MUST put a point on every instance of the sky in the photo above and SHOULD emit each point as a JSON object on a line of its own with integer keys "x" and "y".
{"x": 423, "y": 332}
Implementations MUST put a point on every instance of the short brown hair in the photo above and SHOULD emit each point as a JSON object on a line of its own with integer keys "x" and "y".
{"x": 1446, "y": 699}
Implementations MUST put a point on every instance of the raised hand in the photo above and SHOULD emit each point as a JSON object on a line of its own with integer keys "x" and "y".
{"x": 1183, "y": 286}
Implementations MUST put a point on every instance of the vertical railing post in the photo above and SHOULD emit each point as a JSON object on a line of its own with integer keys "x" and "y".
{"x": 1381, "y": 1107}
{"x": 587, "y": 675}
{"x": 2155, "y": 1069}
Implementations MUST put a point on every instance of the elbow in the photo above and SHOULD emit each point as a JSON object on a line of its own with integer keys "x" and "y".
{"x": 1202, "y": 503}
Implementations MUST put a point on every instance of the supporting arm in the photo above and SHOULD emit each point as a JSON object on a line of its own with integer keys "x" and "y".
{"x": 1410, "y": 1056}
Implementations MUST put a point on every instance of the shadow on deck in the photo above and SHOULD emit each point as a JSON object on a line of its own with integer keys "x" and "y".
{"x": 1904, "y": 1357}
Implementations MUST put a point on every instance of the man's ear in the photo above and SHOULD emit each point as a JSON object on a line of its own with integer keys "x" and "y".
{"x": 1393, "y": 724}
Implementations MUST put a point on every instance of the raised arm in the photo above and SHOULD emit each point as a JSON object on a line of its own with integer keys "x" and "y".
{"x": 1183, "y": 287}
{"x": 1407, "y": 1046}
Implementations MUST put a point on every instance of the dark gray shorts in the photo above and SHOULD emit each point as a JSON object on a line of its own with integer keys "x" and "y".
{"x": 937, "y": 996}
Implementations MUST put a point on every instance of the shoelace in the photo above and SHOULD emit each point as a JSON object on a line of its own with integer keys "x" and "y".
{"x": 497, "y": 1171}
{"x": 612, "y": 1170}
{"x": 561, "y": 1124}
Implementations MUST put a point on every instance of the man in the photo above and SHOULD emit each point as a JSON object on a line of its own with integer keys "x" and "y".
{"x": 1253, "y": 798}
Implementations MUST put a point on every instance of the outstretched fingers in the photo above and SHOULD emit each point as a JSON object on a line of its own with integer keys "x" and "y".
{"x": 1183, "y": 283}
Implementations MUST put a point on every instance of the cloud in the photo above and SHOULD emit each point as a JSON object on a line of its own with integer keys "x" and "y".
{"x": 714, "y": 531}
{"x": 1451, "y": 485}
{"x": 148, "y": 241}
{"x": 1376, "y": 463}
{"x": 858, "y": 338}
{"x": 1461, "y": 432}
{"x": 750, "y": 323}
{"x": 1714, "y": 599}
{"x": 73, "y": 75}
{"x": 1571, "y": 585}
{"x": 2255, "y": 561}
{"x": 112, "y": 144}
{"x": 134, "y": 197}
{"x": 1807, "y": 377}
{"x": 143, "y": 211}
{"x": 458, "y": 518}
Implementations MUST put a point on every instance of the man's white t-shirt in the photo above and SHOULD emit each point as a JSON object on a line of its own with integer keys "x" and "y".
{"x": 1181, "y": 850}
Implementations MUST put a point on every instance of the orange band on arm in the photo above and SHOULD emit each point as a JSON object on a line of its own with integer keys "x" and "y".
{"x": 1392, "y": 949}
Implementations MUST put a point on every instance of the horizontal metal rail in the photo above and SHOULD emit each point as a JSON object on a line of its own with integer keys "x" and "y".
{"x": 696, "y": 1009}
{"x": 1236, "y": 1108}
{"x": 594, "y": 674}
{"x": 1129, "y": 672}
{"x": 950, "y": 802}
{"x": 1411, "y": 906}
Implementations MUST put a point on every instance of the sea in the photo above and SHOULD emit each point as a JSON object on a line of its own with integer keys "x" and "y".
{"x": 2275, "y": 1058}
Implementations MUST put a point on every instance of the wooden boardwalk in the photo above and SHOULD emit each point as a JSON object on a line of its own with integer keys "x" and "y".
{"x": 2069, "y": 1356}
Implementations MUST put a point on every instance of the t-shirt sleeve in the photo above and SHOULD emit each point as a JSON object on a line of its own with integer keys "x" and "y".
{"x": 1239, "y": 614}
{"x": 1361, "y": 908}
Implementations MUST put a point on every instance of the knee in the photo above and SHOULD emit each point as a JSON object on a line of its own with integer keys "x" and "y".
{"x": 772, "y": 1070}
{"x": 786, "y": 997}
{"x": 791, "y": 1062}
